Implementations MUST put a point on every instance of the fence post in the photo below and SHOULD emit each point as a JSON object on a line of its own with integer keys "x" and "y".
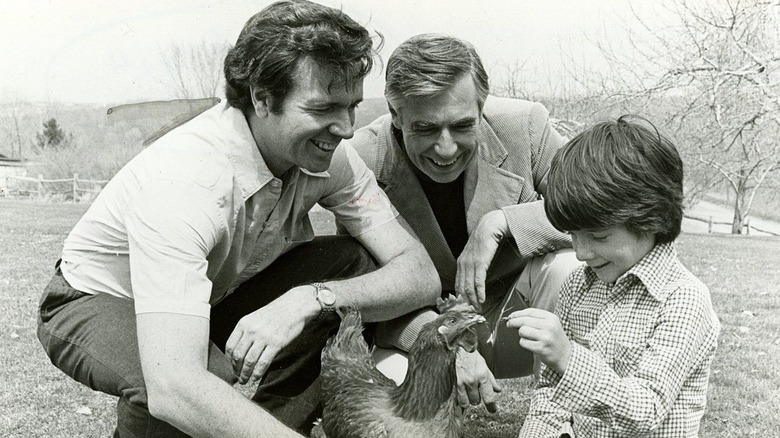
{"x": 40, "y": 185}
{"x": 709, "y": 226}
{"x": 75, "y": 179}
{"x": 747, "y": 226}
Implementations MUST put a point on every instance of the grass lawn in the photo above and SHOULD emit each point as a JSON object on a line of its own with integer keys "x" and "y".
{"x": 38, "y": 400}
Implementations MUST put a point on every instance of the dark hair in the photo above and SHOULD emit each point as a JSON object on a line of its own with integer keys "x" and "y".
{"x": 276, "y": 38}
{"x": 428, "y": 64}
{"x": 617, "y": 173}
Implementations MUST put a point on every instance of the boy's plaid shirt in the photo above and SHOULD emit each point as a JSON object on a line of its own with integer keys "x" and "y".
{"x": 641, "y": 354}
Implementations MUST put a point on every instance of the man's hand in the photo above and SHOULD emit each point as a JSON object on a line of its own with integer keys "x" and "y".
{"x": 476, "y": 257}
{"x": 475, "y": 381}
{"x": 541, "y": 333}
{"x": 260, "y": 335}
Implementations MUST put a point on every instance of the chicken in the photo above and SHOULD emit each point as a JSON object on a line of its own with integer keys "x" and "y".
{"x": 359, "y": 401}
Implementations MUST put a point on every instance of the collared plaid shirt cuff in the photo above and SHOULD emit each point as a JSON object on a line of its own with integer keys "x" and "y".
{"x": 574, "y": 392}
{"x": 545, "y": 419}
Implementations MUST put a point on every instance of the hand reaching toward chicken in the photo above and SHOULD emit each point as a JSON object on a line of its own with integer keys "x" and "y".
{"x": 542, "y": 334}
{"x": 259, "y": 336}
{"x": 475, "y": 381}
{"x": 476, "y": 257}
{"x": 359, "y": 401}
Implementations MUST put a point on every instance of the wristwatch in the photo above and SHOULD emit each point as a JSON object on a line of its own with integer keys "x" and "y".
{"x": 327, "y": 300}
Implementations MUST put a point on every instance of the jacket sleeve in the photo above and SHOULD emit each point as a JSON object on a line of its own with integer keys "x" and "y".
{"x": 528, "y": 224}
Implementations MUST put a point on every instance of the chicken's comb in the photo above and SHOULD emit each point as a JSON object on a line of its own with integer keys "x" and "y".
{"x": 453, "y": 302}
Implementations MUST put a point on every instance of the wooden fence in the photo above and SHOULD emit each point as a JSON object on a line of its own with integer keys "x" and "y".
{"x": 70, "y": 188}
{"x": 747, "y": 227}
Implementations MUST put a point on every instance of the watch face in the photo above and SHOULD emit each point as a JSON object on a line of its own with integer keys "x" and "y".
{"x": 327, "y": 297}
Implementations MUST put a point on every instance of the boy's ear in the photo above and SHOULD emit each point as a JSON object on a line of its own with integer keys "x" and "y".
{"x": 259, "y": 102}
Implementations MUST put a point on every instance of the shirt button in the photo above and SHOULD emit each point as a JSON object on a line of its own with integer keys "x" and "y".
{"x": 276, "y": 183}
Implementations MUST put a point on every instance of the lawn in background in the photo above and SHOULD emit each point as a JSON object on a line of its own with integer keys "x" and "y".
{"x": 36, "y": 399}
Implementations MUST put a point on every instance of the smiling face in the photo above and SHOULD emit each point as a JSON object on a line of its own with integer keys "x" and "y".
{"x": 611, "y": 251}
{"x": 317, "y": 113}
{"x": 440, "y": 132}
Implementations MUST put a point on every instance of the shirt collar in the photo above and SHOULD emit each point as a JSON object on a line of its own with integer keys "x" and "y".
{"x": 323, "y": 174}
{"x": 653, "y": 270}
{"x": 251, "y": 170}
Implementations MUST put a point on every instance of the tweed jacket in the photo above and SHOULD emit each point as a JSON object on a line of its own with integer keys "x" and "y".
{"x": 516, "y": 145}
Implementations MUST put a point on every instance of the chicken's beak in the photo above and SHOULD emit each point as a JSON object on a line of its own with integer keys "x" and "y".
{"x": 477, "y": 319}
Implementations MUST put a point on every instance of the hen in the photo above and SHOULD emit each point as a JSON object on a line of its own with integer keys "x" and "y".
{"x": 359, "y": 401}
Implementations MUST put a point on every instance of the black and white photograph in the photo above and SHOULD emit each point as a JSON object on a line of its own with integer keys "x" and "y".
{"x": 398, "y": 219}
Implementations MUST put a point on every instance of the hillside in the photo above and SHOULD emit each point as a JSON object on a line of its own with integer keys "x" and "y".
{"x": 370, "y": 109}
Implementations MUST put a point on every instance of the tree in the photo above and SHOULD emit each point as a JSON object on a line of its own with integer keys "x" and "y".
{"x": 12, "y": 124}
{"x": 712, "y": 75}
{"x": 196, "y": 70}
{"x": 573, "y": 104}
{"x": 52, "y": 136}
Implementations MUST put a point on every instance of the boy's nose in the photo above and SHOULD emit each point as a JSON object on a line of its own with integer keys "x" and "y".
{"x": 581, "y": 249}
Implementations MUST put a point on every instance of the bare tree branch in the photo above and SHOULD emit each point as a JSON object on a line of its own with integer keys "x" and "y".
{"x": 195, "y": 70}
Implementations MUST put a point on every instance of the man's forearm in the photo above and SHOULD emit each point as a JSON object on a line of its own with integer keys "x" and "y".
{"x": 181, "y": 391}
{"x": 406, "y": 283}
{"x": 212, "y": 408}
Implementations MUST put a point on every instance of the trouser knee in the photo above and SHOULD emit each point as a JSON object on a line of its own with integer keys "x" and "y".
{"x": 134, "y": 420}
{"x": 543, "y": 277}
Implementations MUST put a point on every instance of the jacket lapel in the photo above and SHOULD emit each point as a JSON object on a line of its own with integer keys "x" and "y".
{"x": 487, "y": 187}
{"x": 406, "y": 194}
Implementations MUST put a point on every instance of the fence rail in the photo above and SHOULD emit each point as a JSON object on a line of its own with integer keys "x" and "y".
{"x": 69, "y": 188}
{"x": 747, "y": 226}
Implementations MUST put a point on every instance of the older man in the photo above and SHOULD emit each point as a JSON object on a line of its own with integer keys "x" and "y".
{"x": 468, "y": 172}
{"x": 205, "y": 235}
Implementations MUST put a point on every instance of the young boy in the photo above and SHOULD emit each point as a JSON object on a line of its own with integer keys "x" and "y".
{"x": 630, "y": 349}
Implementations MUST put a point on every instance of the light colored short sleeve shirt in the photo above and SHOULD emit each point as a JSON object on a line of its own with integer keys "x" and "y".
{"x": 198, "y": 212}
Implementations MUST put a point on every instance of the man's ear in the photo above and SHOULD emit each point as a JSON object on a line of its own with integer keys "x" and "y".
{"x": 259, "y": 102}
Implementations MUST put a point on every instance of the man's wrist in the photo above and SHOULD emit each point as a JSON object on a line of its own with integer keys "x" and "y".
{"x": 326, "y": 300}
{"x": 500, "y": 223}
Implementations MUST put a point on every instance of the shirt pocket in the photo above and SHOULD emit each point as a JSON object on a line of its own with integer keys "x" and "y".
{"x": 627, "y": 358}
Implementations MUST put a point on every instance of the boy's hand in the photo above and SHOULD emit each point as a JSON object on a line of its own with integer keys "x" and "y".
{"x": 541, "y": 333}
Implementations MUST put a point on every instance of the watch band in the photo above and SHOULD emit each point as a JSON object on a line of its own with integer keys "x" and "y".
{"x": 327, "y": 300}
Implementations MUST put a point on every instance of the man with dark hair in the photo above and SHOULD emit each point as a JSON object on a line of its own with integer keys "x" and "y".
{"x": 205, "y": 235}
{"x": 468, "y": 172}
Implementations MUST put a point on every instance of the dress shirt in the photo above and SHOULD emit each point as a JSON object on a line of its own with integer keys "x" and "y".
{"x": 640, "y": 358}
{"x": 198, "y": 212}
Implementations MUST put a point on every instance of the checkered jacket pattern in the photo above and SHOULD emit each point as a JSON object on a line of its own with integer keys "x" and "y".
{"x": 641, "y": 354}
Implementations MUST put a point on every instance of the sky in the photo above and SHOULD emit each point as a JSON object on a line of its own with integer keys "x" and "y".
{"x": 110, "y": 51}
